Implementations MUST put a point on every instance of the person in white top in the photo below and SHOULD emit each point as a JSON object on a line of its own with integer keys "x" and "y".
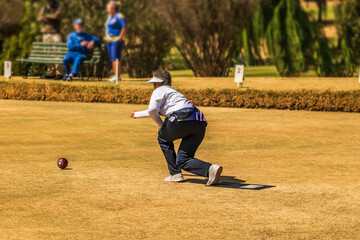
{"x": 182, "y": 121}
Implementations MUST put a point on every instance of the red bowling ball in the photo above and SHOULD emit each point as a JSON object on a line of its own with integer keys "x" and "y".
{"x": 62, "y": 163}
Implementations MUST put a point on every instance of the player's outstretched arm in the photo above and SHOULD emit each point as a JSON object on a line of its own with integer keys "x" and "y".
{"x": 142, "y": 114}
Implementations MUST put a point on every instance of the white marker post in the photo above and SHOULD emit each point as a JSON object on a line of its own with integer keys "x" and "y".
{"x": 117, "y": 72}
{"x": 239, "y": 75}
{"x": 7, "y": 70}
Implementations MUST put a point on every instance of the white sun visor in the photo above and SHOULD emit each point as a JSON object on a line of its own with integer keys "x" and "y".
{"x": 155, "y": 80}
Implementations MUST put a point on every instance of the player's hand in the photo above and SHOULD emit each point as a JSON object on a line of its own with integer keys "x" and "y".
{"x": 91, "y": 45}
{"x": 84, "y": 43}
{"x": 133, "y": 115}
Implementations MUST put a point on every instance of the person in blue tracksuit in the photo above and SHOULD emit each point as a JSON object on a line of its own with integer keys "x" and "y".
{"x": 78, "y": 43}
{"x": 115, "y": 31}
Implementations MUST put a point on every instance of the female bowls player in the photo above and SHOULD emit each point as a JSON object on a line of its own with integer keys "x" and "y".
{"x": 183, "y": 121}
{"x": 115, "y": 31}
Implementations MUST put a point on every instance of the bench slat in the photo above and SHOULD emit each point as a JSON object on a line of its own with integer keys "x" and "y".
{"x": 56, "y": 59}
{"x": 45, "y": 61}
{"x": 50, "y": 61}
{"x": 48, "y": 53}
{"x": 54, "y": 48}
{"x": 58, "y": 50}
{"x": 50, "y": 49}
{"x": 44, "y": 44}
{"x": 96, "y": 53}
{"x": 58, "y": 56}
{"x": 48, "y": 44}
{"x": 45, "y": 57}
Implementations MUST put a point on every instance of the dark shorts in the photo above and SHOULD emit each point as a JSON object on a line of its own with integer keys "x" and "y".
{"x": 115, "y": 50}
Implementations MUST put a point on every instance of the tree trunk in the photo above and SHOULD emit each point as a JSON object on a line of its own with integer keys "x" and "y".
{"x": 320, "y": 5}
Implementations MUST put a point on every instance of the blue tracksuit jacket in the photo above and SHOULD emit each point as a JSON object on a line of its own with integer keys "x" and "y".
{"x": 77, "y": 54}
{"x": 74, "y": 40}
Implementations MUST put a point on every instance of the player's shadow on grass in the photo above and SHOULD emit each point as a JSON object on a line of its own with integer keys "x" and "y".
{"x": 229, "y": 182}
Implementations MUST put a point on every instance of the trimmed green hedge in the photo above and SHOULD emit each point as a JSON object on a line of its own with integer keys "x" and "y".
{"x": 311, "y": 100}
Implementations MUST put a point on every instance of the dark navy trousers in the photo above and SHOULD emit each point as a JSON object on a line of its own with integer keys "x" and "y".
{"x": 192, "y": 133}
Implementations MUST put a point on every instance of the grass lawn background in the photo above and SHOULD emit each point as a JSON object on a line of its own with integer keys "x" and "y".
{"x": 115, "y": 190}
{"x": 262, "y": 77}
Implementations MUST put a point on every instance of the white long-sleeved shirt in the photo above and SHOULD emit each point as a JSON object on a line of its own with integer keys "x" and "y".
{"x": 164, "y": 101}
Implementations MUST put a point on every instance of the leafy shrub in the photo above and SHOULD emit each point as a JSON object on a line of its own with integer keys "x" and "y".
{"x": 311, "y": 100}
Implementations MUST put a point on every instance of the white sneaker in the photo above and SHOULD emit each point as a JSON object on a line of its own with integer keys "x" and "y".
{"x": 113, "y": 79}
{"x": 175, "y": 178}
{"x": 214, "y": 174}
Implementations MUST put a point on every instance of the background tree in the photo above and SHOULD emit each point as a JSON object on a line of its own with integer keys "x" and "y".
{"x": 206, "y": 31}
{"x": 10, "y": 13}
{"x": 324, "y": 58}
{"x": 25, "y": 31}
{"x": 288, "y": 36}
{"x": 251, "y": 43}
{"x": 322, "y": 4}
{"x": 283, "y": 31}
{"x": 347, "y": 20}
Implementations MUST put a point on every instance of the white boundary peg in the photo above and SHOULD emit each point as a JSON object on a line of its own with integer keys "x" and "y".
{"x": 7, "y": 70}
{"x": 239, "y": 75}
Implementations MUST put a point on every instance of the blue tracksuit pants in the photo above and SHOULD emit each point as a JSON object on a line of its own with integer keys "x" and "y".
{"x": 73, "y": 58}
{"x": 192, "y": 133}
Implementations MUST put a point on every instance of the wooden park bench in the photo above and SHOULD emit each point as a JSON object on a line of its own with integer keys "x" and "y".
{"x": 54, "y": 53}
